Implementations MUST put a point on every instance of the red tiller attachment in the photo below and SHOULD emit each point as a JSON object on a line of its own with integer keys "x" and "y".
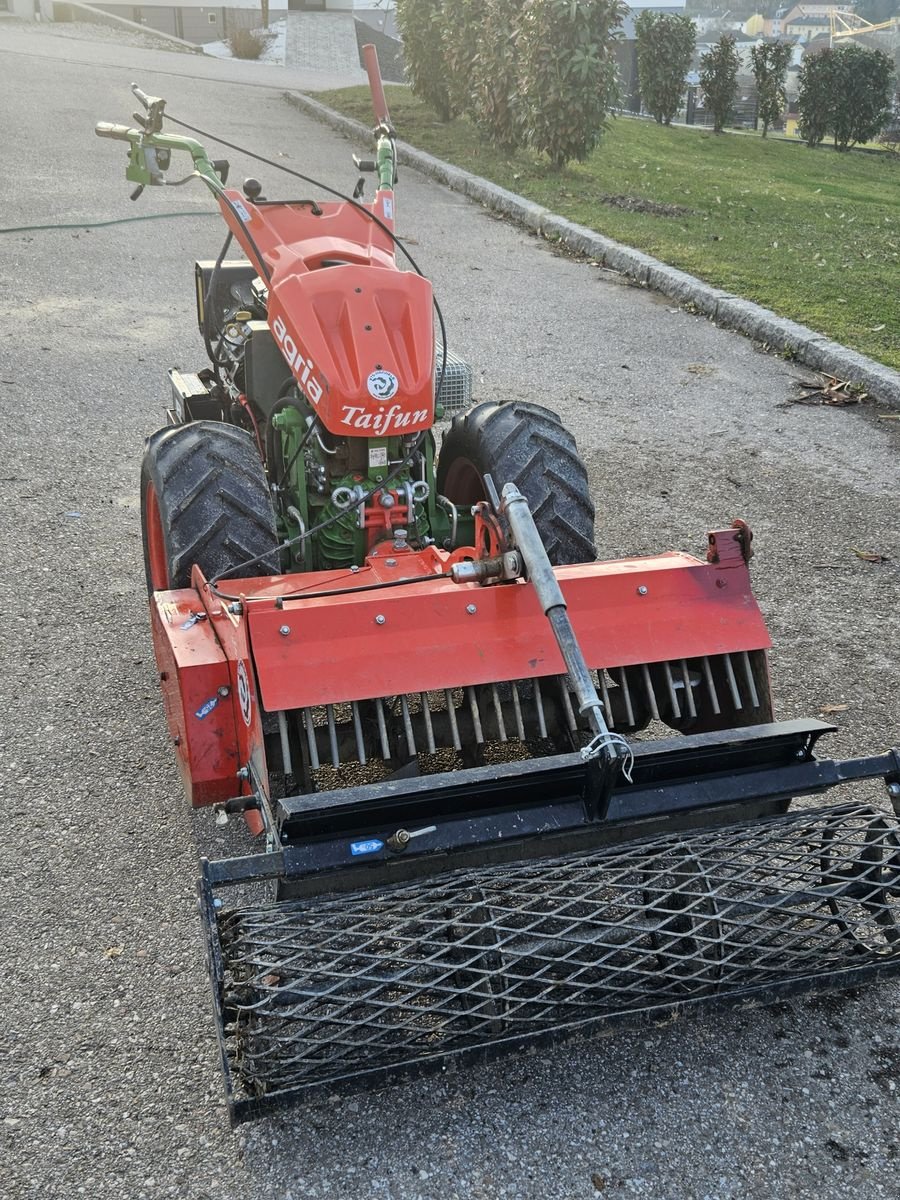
{"x": 668, "y": 637}
{"x": 437, "y": 634}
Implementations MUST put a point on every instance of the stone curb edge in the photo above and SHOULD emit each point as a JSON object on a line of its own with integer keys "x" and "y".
{"x": 803, "y": 345}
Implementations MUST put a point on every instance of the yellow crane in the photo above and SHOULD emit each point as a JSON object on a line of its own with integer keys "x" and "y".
{"x": 846, "y": 24}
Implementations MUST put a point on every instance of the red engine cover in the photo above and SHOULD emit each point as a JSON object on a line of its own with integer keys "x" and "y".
{"x": 356, "y": 331}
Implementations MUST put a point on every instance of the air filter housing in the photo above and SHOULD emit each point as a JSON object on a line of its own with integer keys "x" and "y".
{"x": 456, "y": 389}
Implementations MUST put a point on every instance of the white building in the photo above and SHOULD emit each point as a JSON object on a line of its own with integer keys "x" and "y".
{"x": 192, "y": 20}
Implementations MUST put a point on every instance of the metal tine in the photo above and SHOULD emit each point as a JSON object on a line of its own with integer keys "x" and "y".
{"x": 476, "y": 714}
{"x": 707, "y": 675}
{"x": 451, "y": 713}
{"x": 382, "y": 730}
{"x": 626, "y": 692}
{"x": 426, "y": 717}
{"x": 332, "y": 736}
{"x": 604, "y": 696}
{"x": 732, "y": 682}
{"x": 539, "y": 705}
{"x": 310, "y": 728}
{"x": 517, "y": 709}
{"x": 688, "y": 689}
{"x": 498, "y": 710}
{"x": 673, "y": 697}
{"x": 567, "y": 703}
{"x": 751, "y": 682}
{"x": 651, "y": 695}
{"x": 407, "y": 726}
{"x": 286, "y": 761}
{"x": 357, "y": 729}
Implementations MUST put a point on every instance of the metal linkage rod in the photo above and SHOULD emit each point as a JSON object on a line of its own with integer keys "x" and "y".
{"x": 611, "y": 746}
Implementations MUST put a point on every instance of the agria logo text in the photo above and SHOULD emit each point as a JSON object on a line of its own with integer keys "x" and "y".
{"x": 302, "y": 367}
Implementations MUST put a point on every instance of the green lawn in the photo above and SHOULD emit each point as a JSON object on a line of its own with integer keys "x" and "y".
{"x": 814, "y": 235}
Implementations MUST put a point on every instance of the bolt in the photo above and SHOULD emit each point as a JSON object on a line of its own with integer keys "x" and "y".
{"x": 642, "y": 590}
{"x": 218, "y": 902}
{"x": 894, "y": 790}
{"x": 243, "y": 773}
{"x": 354, "y": 569}
{"x": 390, "y": 562}
{"x": 720, "y": 583}
{"x": 284, "y": 630}
{"x": 224, "y": 691}
{"x": 379, "y": 620}
{"x": 800, "y": 756}
{"x": 399, "y": 840}
{"x": 471, "y": 610}
{"x": 235, "y": 607}
{"x": 176, "y": 740}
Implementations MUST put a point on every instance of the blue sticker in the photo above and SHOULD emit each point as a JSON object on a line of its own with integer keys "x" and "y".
{"x": 206, "y": 708}
{"x": 370, "y": 846}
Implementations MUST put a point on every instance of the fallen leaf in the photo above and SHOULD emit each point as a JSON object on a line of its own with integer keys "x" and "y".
{"x": 876, "y": 329}
{"x": 870, "y": 555}
{"x": 827, "y": 709}
{"x": 837, "y": 393}
{"x": 889, "y": 416}
{"x": 113, "y": 951}
{"x": 270, "y": 980}
{"x": 599, "y": 1181}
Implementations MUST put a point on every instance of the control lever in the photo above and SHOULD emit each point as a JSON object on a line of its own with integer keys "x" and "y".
{"x": 156, "y": 110}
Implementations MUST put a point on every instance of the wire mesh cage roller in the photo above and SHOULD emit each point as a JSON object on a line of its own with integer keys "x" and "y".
{"x": 317, "y": 989}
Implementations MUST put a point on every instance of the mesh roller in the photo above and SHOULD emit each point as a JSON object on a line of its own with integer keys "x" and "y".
{"x": 316, "y": 990}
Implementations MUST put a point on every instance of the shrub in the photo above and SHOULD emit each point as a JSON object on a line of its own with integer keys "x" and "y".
{"x": 815, "y": 80}
{"x": 462, "y": 22}
{"x": 497, "y": 107}
{"x": 770, "y": 63}
{"x": 247, "y": 43}
{"x": 568, "y": 73}
{"x": 665, "y": 45}
{"x": 861, "y": 95}
{"x": 847, "y": 93}
{"x": 421, "y": 25}
{"x": 718, "y": 79}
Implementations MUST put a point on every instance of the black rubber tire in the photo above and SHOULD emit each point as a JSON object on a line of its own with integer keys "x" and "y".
{"x": 525, "y": 444}
{"x": 212, "y": 505}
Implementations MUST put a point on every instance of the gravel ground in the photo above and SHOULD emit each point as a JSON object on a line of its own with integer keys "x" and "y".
{"x": 110, "y": 1083}
{"x": 91, "y": 31}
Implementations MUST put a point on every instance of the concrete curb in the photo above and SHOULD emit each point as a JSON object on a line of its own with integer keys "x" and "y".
{"x": 761, "y": 324}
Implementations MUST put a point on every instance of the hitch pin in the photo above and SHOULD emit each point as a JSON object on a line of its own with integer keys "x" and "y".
{"x": 401, "y": 839}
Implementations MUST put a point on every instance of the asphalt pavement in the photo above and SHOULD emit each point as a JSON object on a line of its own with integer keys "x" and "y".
{"x": 109, "y": 1083}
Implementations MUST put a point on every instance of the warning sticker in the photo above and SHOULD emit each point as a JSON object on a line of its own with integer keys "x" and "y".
{"x": 378, "y": 456}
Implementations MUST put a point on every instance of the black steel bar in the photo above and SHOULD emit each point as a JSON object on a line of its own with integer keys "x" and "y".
{"x": 671, "y": 758}
{"x": 729, "y": 795}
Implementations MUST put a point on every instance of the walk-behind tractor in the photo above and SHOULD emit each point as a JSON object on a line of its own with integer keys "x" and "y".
{"x": 507, "y": 793}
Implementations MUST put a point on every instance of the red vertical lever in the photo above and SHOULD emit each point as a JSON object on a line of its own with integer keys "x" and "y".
{"x": 376, "y": 87}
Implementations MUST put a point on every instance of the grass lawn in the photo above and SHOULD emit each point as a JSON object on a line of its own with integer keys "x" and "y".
{"x": 812, "y": 234}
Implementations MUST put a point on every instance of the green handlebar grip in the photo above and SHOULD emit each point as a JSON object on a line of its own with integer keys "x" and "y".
{"x": 121, "y": 133}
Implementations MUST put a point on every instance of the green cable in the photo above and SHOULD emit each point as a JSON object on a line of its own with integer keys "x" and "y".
{"x": 201, "y": 212}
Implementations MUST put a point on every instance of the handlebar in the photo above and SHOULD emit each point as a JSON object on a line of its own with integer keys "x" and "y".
{"x": 150, "y": 149}
{"x": 121, "y": 133}
{"x": 376, "y": 87}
